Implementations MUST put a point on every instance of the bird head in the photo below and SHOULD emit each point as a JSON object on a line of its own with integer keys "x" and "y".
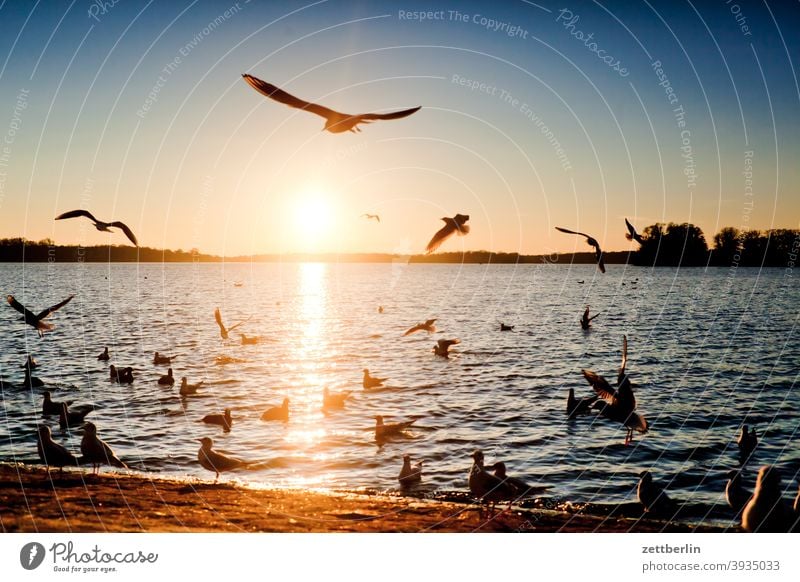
{"x": 89, "y": 428}
{"x": 285, "y": 403}
{"x": 645, "y": 476}
{"x": 47, "y": 396}
{"x": 44, "y": 431}
{"x": 206, "y": 442}
{"x": 477, "y": 456}
{"x": 379, "y": 420}
{"x": 769, "y": 479}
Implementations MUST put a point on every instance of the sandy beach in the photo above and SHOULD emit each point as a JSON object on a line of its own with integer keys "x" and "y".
{"x": 116, "y": 502}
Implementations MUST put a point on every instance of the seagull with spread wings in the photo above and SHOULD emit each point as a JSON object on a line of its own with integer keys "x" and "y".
{"x": 223, "y": 331}
{"x": 592, "y": 242}
{"x": 371, "y": 217}
{"x": 632, "y": 234}
{"x": 442, "y": 347}
{"x": 35, "y": 320}
{"x": 335, "y": 122}
{"x": 456, "y": 225}
{"x": 99, "y": 224}
{"x": 427, "y": 325}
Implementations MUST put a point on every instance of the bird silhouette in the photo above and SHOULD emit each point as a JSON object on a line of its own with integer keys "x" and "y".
{"x": 632, "y": 234}
{"x": 335, "y": 122}
{"x": 104, "y": 356}
{"x": 736, "y": 495}
{"x": 96, "y": 451}
{"x": 652, "y": 496}
{"x": 371, "y": 217}
{"x": 224, "y": 420}
{"x": 747, "y": 441}
{"x": 387, "y": 431}
{"x": 51, "y": 453}
{"x": 168, "y": 379}
{"x": 35, "y": 320}
{"x": 485, "y": 487}
{"x": 223, "y": 331}
{"x": 217, "y": 462}
{"x": 334, "y": 399}
{"x": 767, "y": 511}
{"x": 456, "y": 225}
{"x": 427, "y": 325}
{"x": 409, "y": 475}
{"x": 598, "y": 253}
{"x": 370, "y": 381}
{"x": 442, "y": 347}
{"x": 162, "y": 360}
{"x": 99, "y": 224}
{"x": 189, "y": 389}
{"x": 280, "y": 413}
{"x": 577, "y": 407}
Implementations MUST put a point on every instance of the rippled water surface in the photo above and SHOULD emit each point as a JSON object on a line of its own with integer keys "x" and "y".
{"x": 708, "y": 350}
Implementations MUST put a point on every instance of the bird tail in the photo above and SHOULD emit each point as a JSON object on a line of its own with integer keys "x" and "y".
{"x": 43, "y": 326}
{"x": 114, "y": 461}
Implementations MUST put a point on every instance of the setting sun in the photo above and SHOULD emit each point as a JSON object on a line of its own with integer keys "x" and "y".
{"x": 313, "y": 215}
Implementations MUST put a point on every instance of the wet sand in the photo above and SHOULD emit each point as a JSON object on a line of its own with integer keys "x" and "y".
{"x": 76, "y": 501}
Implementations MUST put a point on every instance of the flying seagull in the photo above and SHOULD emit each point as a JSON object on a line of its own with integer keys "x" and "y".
{"x": 457, "y": 224}
{"x": 371, "y": 217}
{"x": 99, "y": 224}
{"x": 592, "y": 242}
{"x": 335, "y": 122}
{"x": 632, "y": 234}
{"x": 36, "y": 320}
{"x": 428, "y": 326}
{"x": 223, "y": 331}
{"x": 442, "y": 347}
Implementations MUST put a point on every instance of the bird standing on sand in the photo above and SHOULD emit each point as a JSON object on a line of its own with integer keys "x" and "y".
{"x": 161, "y": 360}
{"x": 335, "y": 122}
{"x": 217, "y": 462}
{"x": 224, "y": 420}
{"x": 96, "y": 451}
{"x": 104, "y": 356}
{"x": 385, "y": 431}
{"x": 484, "y": 486}
{"x": 576, "y": 407}
{"x": 168, "y": 379}
{"x": 223, "y": 331}
{"x": 456, "y": 225}
{"x": 99, "y": 224}
{"x": 747, "y": 442}
{"x": 521, "y": 488}
{"x": 736, "y": 495}
{"x": 442, "y": 347}
{"x": 592, "y": 242}
{"x": 652, "y": 496}
{"x": 35, "y": 320}
{"x": 410, "y": 475}
{"x": 51, "y": 453}
{"x": 334, "y": 399}
{"x": 374, "y": 217}
{"x": 71, "y": 418}
{"x": 632, "y": 234}
{"x": 371, "y": 382}
{"x": 586, "y": 321}
{"x": 189, "y": 389}
{"x": 428, "y": 326}
{"x": 280, "y": 413}
{"x": 767, "y": 511}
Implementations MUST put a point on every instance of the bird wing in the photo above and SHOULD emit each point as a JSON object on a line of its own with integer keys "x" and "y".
{"x": 429, "y": 322}
{"x": 411, "y": 330}
{"x": 55, "y": 307}
{"x": 624, "y": 361}
{"x": 600, "y": 264}
{"x": 76, "y": 213}
{"x": 240, "y": 323}
{"x": 568, "y": 231}
{"x": 637, "y": 422}
{"x": 113, "y": 459}
{"x": 446, "y": 343}
{"x": 21, "y": 308}
{"x": 128, "y": 232}
{"x": 440, "y": 236}
{"x": 282, "y": 96}
{"x": 631, "y": 231}
{"x": 600, "y": 385}
{"x": 392, "y": 115}
{"x": 218, "y": 318}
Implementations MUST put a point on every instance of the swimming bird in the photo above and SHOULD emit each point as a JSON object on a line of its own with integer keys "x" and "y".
{"x": 100, "y": 225}
{"x": 591, "y": 242}
{"x": 96, "y": 451}
{"x": 652, "y": 496}
{"x": 335, "y": 122}
{"x": 586, "y": 321}
{"x": 121, "y": 375}
{"x": 50, "y": 407}
{"x": 457, "y": 224}
{"x": 736, "y": 495}
{"x": 168, "y": 379}
{"x": 161, "y": 360}
{"x": 51, "y": 453}
{"x": 427, "y": 325}
{"x": 442, "y": 347}
{"x": 217, "y": 462}
{"x": 410, "y": 475}
{"x": 30, "y": 363}
{"x": 223, "y": 331}
{"x": 632, "y": 234}
{"x": 31, "y": 381}
{"x": 334, "y": 399}
{"x": 104, "y": 357}
{"x": 35, "y": 320}
{"x": 384, "y": 431}
{"x": 189, "y": 389}
{"x": 747, "y": 442}
{"x": 71, "y": 418}
{"x": 618, "y": 405}
{"x": 371, "y": 217}
{"x": 371, "y": 382}
{"x": 484, "y": 486}
{"x": 577, "y": 407}
{"x": 380, "y": 308}
{"x": 504, "y": 327}
{"x": 767, "y": 511}
{"x": 250, "y": 340}
{"x": 224, "y": 420}
{"x": 280, "y": 413}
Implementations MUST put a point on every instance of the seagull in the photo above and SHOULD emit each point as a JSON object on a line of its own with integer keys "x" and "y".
{"x": 277, "y": 412}
{"x": 104, "y": 357}
{"x": 51, "y": 453}
{"x": 223, "y": 331}
{"x": 189, "y": 389}
{"x": 224, "y": 420}
{"x": 767, "y": 511}
{"x": 520, "y": 487}
{"x": 36, "y": 320}
{"x": 410, "y": 475}
{"x": 251, "y": 340}
{"x": 457, "y": 224}
{"x": 71, "y": 418}
{"x": 652, "y": 496}
{"x": 160, "y": 360}
{"x": 30, "y": 363}
{"x": 736, "y": 495}
{"x": 428, "y": 326}
{"x": 586, "y": 321}
{"x": 217, "y": 462}
{"x": 31, "y": 381}
{"x": 504, "y": 327}
{"x": 167, "y": 380}
{"x": 592, "y": 242}
{"x": 335, "y": 122}
{"x": 371, "y": 217}
{"x": 486, "y": 487}
{"x": 442, "y": 347}
{"x": 632, "y": 234}
{"x": 747, "y": 442}
{"x": 334, "y": 399}
{"x": 371, "y": 382}
{"x": 618, "y": 405}
{"x": 121, "y": 375}
{"x": 100, "y": 225}
{"x": 577, "y": 407}
{"x": 384, "y": 431}
{"x": 97, "y": 452}
{"x": 50, "y": 407}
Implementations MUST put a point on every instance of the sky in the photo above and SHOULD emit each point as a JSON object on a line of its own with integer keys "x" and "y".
{"x": 534, "y": 115}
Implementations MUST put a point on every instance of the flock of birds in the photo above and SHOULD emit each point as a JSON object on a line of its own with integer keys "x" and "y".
{"x": 762, "y": 510}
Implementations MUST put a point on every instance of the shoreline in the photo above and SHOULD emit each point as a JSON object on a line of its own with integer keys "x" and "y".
{"x": 125, "y": 502}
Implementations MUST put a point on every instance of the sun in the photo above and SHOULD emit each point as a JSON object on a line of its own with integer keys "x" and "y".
{"x": 313, "y": 215}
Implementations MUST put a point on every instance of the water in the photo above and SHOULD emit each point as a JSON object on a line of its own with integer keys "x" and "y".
{"x": 708, "y": 350}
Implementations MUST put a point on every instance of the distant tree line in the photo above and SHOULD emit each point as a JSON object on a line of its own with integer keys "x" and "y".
{"x": 17, "y": 250}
